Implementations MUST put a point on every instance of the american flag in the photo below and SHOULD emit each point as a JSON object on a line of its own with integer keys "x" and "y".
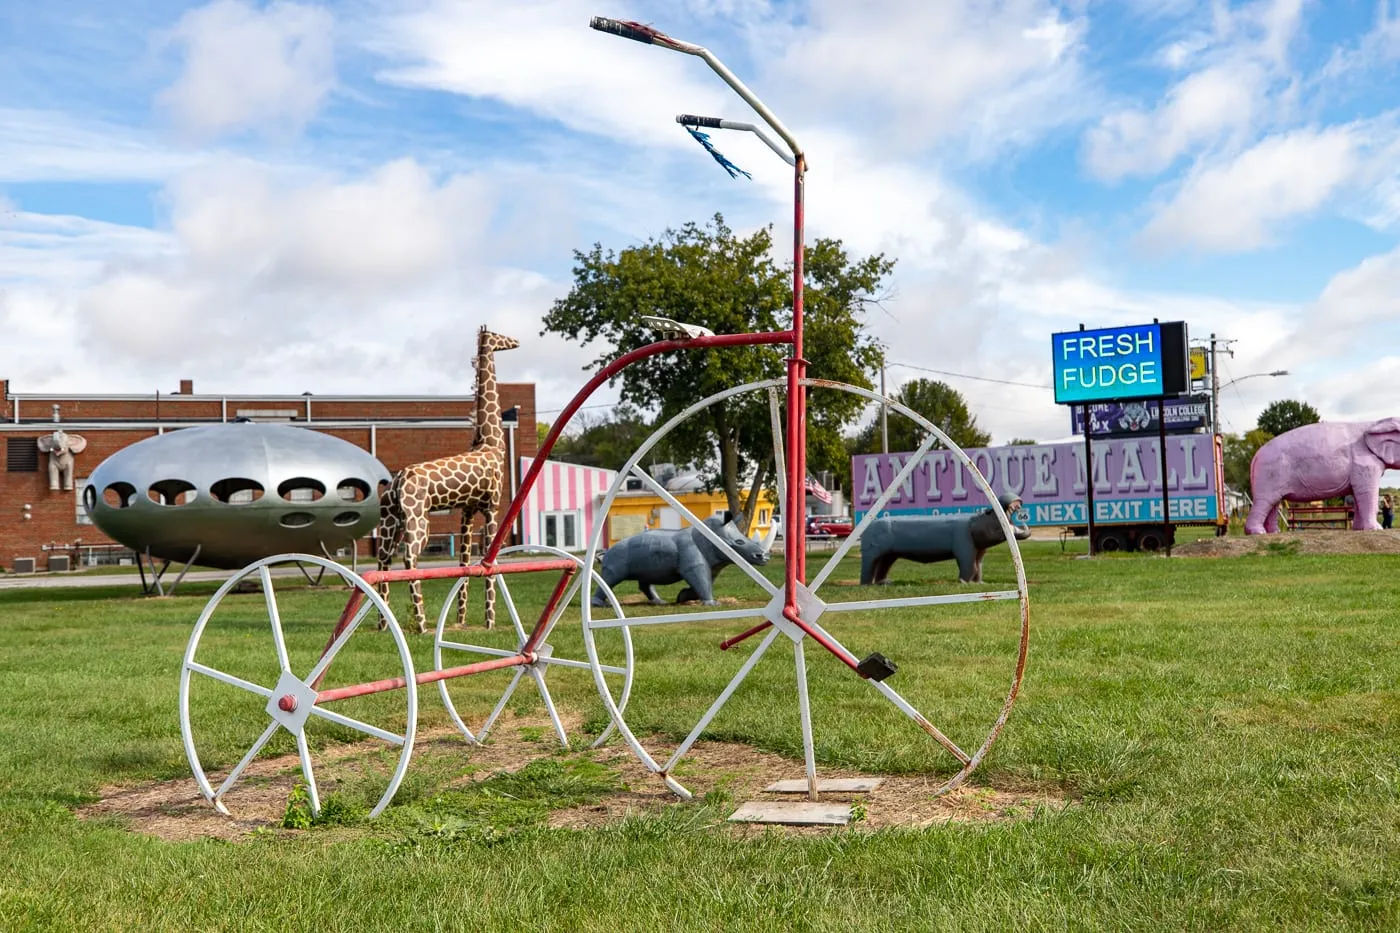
{"x": 815, "y": 488}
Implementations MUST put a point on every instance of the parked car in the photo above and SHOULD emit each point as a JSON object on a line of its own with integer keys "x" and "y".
{"x": 838, "y": 526}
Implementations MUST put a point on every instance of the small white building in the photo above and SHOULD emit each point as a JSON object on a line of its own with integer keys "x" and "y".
{"x": 560, "y": 509}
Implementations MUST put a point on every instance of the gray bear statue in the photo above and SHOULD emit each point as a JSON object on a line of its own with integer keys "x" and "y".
{"x": 660, "y": 557}
{"x": 930, "y": 538}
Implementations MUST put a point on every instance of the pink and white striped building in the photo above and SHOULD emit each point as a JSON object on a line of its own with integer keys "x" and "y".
{"x": 560, "y": 509}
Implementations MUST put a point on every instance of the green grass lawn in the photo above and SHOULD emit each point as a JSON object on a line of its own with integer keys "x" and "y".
{"x": 1226, "y": 732}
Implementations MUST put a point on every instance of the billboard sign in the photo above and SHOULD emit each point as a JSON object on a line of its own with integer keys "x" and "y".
{"x": 1120, "y": 363}
{"x": 1124, "y": 419}
{"x": 1050, "y": 479}
{"x": 1198, "y": 363}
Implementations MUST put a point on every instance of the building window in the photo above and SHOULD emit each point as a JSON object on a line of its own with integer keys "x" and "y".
{"x": 763, "y": 516}
{"x": 21, "y": 455}
{"x": 78, "y": 486}
{"x": 561, "y": 529}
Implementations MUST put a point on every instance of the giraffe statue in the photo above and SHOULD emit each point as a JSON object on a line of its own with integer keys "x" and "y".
{"x": 469, "y": 481}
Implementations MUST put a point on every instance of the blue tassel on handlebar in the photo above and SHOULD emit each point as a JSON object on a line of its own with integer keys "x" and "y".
{"x": 704, "y": 140}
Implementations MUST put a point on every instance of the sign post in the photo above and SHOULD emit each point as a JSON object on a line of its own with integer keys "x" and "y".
{"x": 1119, "y": 364}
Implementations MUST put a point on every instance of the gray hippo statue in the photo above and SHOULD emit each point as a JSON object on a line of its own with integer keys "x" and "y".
{"x": 660, "y": 557}
{"x": 930, "y": 538}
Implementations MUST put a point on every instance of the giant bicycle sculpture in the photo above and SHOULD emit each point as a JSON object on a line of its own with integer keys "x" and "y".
{"x": 799, "y": 607}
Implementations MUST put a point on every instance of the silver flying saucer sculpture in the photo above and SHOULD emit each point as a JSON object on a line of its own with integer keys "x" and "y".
{"x": 226, "y": 495}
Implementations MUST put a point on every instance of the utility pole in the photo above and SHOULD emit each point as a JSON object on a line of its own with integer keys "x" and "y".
{"x": 884, "y": 413}
{"x": 1215, "y": 379}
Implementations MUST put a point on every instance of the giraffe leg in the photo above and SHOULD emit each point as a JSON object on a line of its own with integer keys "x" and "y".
{"x": 488, "y": 534}
{"x": 464, "y": 557}
{"x": 386, "y": 544}
{"x": 416, "y": 536}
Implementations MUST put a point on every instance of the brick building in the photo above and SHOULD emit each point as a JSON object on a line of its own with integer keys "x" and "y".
{"x": 36, "y": 522}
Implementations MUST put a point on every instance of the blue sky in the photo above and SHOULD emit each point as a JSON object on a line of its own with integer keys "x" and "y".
{"x": 331, "y": 197}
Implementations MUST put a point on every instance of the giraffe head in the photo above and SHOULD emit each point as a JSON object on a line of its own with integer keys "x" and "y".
{"x": 487, "y": 342}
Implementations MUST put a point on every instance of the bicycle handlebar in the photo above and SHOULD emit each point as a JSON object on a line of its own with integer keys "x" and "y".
{"x": 687, "y": 119}
{"x": 625, "y": 29}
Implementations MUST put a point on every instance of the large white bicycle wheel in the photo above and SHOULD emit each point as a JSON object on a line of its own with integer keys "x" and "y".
{"x": 450, "y": 651}
{"x": 822, "y": 601}
{"x": 248, "y": 657}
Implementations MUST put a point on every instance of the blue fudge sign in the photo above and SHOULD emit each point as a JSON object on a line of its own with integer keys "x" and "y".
{"x": 1135, "y": 362}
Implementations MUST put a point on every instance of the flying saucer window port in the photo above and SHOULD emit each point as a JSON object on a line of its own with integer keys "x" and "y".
{"x": 301, "y": 489}
{"x": 236, "y": 490}
{"x": 171, "y": 492}
{"x": 353, "y": 490}
{"x": 117, "y": 495}
{"x": 296, "y": 519}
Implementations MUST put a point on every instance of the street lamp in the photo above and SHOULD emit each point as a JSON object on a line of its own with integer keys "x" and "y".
{"x": 1215, "y": 394}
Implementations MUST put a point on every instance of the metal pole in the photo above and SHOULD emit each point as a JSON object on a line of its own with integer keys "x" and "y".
{"x": 1214, "y": 390}
{"x": 884, "y": 414}
{"x": 1089, "y": 475}
{"x": 1166, "y": 501}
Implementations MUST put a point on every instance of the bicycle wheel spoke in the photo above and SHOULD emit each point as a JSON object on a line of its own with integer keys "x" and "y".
{"x": 804, "y": 711}
{"x": 270, "y": 597}
{"x": 341, "y": 720}
{"x": 873, "y": 511}
{"x": 228, "y": 679}
{"x": 923, "y": 723}
{"x": 718, "y": 541}
{"x": 480, "y": 649}
{"x": 565, "y": 662}
{"x": 716, "y": 615}
{"x": 339, "y": 643}
{"x": 549, "y": 706}
{"x": 500, "y": 705}
{"x": 779, "y": 444}
{"x": 247, "y": 759}
{"x": 904, "y": 705}
{"x": 304, "y": 753}
{"x": 910, "y": 601}
{"x": 504, "y": 592}
{"x": 721, "y": 699}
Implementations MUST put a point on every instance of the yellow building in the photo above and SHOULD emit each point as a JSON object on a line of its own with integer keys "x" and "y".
{"x": 639, "y": 509}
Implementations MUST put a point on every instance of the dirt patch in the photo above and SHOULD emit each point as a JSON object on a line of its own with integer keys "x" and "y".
{"x": 725, "y": 772}
{"x": 1297, "y": 542}
{"x": 740, "y": 773}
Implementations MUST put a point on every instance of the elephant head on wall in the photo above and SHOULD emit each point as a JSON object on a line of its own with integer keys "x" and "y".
{"x": 1317, "y": 461}
{"x": 61, "y": 446}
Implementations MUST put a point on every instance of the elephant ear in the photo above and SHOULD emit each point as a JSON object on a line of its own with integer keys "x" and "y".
{"x": 76, "y": 444}
{"x": 46, "y": 444}
{"x": 1383, "y": 440}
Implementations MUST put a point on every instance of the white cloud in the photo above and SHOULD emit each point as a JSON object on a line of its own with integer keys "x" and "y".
{"x": 914, "y": 73}
{"x": 542, "y": 57}
{"x": 1243, "y": 76}
{"x": 1201, "y": 109}
{"x": 266, "y": 69}
{"x": 40, "y": 145}
{"x": 1240, "y": 204}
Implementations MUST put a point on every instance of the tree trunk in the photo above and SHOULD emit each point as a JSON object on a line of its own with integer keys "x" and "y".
{"x": 728, "y": 459}
{"x": 760, "y": 479}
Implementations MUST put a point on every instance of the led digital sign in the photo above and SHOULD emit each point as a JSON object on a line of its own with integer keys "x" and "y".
{"x": 1140, "y": 361}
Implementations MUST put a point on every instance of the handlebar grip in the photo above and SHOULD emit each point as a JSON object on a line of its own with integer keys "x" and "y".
{"x": 623, "y": 28}
{"x": 686, "y": 119}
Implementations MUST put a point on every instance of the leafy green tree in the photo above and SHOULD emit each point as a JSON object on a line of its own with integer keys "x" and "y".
{"x": 707, "y": 275}
{"x": 610, "y": 440}
{"x": 1286, "y": 415}
{"x": 1238, "y": 454}
{"x": 937, "y": 401}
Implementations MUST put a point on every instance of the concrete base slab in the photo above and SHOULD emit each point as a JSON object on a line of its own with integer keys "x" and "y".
{"x": 792, "y": 814}
{"x": 825, "y": 785}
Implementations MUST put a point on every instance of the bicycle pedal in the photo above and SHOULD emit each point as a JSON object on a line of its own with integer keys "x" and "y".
{"x": 875, "y": 666}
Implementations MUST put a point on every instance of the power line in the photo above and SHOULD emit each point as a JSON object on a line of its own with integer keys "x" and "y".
{"x": 944, "y": 372}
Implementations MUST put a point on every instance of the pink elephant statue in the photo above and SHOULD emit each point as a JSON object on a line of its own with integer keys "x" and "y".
{"x": 1317, "y": 461}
